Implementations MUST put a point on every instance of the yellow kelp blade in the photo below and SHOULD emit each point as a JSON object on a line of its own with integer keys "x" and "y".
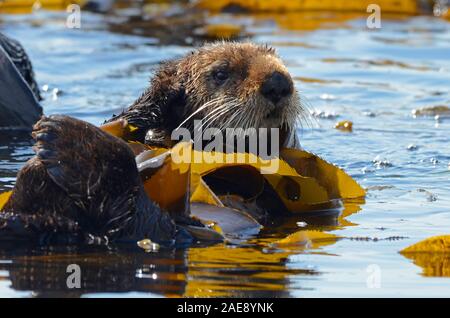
{"x": 435, "y": 244}
{"x": 165, "y": 181}
{"x": 446, "y": 15}
{"x": 302, "y": 180}
{"x": 27, "y": 6}
{"x": 243, "y": 180}
{"x": 432, "y": 255}
{"x": 119, "y": 128}
{"x": 397, "y": 6}
{"x": 303, "y": 185}
{"x": 222, "y": 31}
{"x": 338, "y": 184}
{"x": 306, "y": 239}
{"x": 295, "y": 190}
{"x": 203, "y": 194}
{"x": 310, "y": 20}
{"x": 4, "y": 198}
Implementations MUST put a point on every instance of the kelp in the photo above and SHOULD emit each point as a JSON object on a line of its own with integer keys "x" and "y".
{"x": 27, "y": 6}
{"x": 165, "y": 181}
{"x": 306, "y": 239}
{"x": 432, "y": 255}
{"x": 221, "y": 31}
{"x": 393, "y": 6}
{"x": 302, "y": 181}
{"x": 4, "y": 198}
{"x": 344, "y": 125}
{"x": 396, "y": 6}
{"x": 435, "y": 244}
{"x": 119, "y": 128}
{"x": 226, "y": 190}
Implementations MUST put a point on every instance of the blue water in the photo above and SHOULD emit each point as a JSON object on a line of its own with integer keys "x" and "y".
{"x": 375, "y": 78}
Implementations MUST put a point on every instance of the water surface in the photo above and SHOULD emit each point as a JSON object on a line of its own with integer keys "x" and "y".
{"x": 375, "y": 78}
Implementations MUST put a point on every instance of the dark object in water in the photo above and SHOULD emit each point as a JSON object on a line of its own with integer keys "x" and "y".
{"x": 21, "y": 61}
{"x": 98, "y": 6}
{"x": 83, "y": 186}
{"x": 19, "y": 106}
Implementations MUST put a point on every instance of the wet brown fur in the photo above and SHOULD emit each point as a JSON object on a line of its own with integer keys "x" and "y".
{"x": 182, "y": 86}
{"x": 83, "y": 184}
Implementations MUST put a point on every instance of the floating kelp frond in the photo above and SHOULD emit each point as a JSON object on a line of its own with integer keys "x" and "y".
{"x": 395, "y": 6}
{"x": 432, "y": 255}
{"x": 4, "y": 198}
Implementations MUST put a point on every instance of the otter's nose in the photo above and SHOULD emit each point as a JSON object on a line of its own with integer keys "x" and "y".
{"x": 276, "y": 86}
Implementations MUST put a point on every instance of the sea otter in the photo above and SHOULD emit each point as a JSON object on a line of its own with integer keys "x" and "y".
{"x": 83, "y": 184}
{"x": 225, "y": 85}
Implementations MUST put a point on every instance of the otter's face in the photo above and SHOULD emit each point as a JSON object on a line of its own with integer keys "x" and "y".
{"x": 238, "y": 85}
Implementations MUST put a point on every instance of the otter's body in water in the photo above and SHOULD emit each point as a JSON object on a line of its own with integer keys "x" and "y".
{"x": 83, "y": 184}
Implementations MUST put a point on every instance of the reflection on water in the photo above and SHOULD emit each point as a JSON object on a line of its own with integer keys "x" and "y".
{"x": 44, "y": 270}
{"x": 257, "y": 267}
{"x": 219, "y": 270}
{"x": 15, "y": 149}
{"x": 433, "y": 264}
{"x": 373, "y": 78}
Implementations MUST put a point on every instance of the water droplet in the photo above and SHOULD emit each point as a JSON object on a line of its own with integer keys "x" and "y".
{"x": 381, "y": 163}
{"x": 324, "y": 114}
{"x": 366, "y": 170}
{"x": 148, "y": 246}
{"x": 369, "y": 114}
{"x": 327, "y": 97}
{"x": 55, "y": 93}
{"x": 434, "y": 161}
{"x": 412, "y": 147}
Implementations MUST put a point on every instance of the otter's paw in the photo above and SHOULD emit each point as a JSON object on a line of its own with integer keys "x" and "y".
{"x": 96, "y": 170}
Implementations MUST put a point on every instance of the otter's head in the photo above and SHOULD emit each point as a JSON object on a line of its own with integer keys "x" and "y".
{"x": 231, "y": 85}
{"x": 225, "y": 85}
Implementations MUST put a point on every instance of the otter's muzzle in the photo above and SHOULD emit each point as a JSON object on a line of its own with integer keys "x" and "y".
{"x": 276, "y": 86}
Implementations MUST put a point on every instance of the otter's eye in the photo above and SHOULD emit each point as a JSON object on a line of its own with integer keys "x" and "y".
{"x": 221, "y": 75}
